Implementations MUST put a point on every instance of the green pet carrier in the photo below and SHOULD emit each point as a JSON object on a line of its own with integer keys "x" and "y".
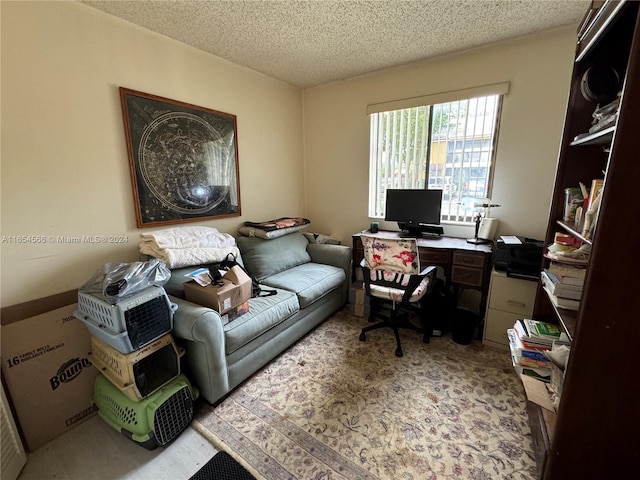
{"x": 155, "y": 421}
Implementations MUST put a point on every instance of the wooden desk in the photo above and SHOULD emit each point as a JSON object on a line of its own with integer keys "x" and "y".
{"x": 465, "y": 265}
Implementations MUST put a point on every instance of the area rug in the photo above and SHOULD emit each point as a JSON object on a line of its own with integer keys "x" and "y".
{"x": 332, "y": 407}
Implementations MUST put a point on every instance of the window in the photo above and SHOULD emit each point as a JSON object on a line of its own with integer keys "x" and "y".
{"x": 448, "y": 146}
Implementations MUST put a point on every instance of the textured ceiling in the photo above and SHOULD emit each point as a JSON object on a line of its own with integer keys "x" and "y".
{"x": 308, "y": 43}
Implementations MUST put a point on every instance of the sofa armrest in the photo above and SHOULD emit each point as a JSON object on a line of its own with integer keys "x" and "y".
{"x": 335, "y": 255}
{"x": 329, "y": 254}
{"x": 199, "y": 330}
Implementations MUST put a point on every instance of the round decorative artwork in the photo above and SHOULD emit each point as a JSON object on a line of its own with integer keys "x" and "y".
{"x": 185, "y": 163}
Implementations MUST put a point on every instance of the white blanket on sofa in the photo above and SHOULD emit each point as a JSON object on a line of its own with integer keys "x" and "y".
{"x": 186, "y": 246}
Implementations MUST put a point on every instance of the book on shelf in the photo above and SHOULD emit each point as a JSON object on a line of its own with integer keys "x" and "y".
{"x": 564, "y": 280}
{"x": 531, "y": 338}
{"x": 591, "y": 213}
{"x": 567, "y": 273}
{"x": 533, "y": 356}
{"x": 570, "y": 283}
{"x": 566, "y": 259}
{"x": 596, "y": 187}
{"x": 524, "y": 363}
{"x": 542, "y": 374}
{"x": 538, "y": 329}
{"x": 553, "y": 284}
{"x": 559, "y": 302}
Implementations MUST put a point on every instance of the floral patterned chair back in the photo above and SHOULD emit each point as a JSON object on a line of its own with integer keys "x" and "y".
{"x": 393, "y": 254}
{"x": 392, "y": 265}
{"x": 391, "y": 273}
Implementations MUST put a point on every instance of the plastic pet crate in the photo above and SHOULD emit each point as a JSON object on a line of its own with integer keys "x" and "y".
{"x": 155, "y": 421}
{"x": 141, "y": 373}
{"x": 130, "y": 324}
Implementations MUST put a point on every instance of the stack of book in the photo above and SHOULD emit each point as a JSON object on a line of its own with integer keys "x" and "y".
{"x": 528, "y": 341}
{"x": 563, "y": 284}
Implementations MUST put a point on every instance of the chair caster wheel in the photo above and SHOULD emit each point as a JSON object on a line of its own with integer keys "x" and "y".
{"x": 362, "y": 337}
{"x": 398, "y": 353}
{"x": 425, "y": 339}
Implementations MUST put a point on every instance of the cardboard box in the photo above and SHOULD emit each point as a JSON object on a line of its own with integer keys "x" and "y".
{"x": 359, "y": 310}
{"x": 236, "y": 290}
{"x": 45, "y": 362}
{"x": 235, "y": 312}
{"x": 357, "y": 294}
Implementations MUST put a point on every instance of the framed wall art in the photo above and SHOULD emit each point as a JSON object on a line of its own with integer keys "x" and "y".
{"x": 183, "y": 160}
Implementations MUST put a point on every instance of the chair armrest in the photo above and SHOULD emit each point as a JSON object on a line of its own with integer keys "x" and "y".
{"x": 394, "y": 280}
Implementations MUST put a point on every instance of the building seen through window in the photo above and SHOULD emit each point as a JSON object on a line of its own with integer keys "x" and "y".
{"x": 448, "y": 146}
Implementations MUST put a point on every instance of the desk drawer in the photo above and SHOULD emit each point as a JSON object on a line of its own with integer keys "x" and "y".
{"x": 468, "y": 259}
{"x": 466, "y": 276}
{"x": 434, "y": 257}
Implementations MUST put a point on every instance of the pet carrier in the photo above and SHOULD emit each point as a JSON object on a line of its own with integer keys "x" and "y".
{"x": 131, "y": 323}
{"x": 141, "y": 373}
{"x": 155, "y": 421}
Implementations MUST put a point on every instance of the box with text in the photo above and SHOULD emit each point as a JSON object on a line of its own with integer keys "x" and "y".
{"x": 46, "y": 366}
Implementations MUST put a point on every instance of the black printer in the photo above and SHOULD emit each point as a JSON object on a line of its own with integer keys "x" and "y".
{"x": 519, "y": 260}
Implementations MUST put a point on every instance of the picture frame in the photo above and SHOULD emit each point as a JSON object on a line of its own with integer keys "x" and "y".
{"x": 183, "y": 160}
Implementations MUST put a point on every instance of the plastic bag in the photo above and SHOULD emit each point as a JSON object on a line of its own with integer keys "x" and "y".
{"x": 116, "y": 281}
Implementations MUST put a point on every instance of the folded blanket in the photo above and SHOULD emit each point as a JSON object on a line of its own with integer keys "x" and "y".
{"x": 186, "y": 246}
{"x": 188, "y": 237}
{"x": 279, "y": 223}
{"x": 186, "y": 257}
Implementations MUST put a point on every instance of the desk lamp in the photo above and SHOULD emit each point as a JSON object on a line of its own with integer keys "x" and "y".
{"x": 480, "y": 208}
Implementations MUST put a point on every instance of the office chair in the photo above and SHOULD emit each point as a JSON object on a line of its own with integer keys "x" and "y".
{"x": 392, "y": 278}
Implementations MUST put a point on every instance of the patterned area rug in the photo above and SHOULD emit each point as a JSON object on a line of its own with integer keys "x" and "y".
{"x": 332, "y": 407}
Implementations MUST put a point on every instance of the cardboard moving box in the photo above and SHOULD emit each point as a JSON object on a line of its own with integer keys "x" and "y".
{"x": 46, "y": 366}
{"x": 236, "y": 290}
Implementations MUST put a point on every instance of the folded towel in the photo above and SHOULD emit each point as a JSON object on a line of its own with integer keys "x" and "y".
{"x": 188, "y": 237}
{"x": 186, "y": 257}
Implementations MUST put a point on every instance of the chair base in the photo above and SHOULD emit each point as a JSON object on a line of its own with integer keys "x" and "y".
{"x": 395, "y": 321}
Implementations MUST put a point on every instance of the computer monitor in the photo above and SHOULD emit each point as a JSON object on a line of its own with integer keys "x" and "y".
{"x": 417, "y": 211}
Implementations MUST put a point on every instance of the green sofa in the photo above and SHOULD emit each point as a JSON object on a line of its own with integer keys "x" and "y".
{"x": 311, "y": 281}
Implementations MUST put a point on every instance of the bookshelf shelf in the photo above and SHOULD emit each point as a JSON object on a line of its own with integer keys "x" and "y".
{"x": 596, "y": 23}
{"x": 567, "y": 320}
{"x": 599, "y": 388}
{"x": 603, "y": 137}
{"x": 570, "y": 228}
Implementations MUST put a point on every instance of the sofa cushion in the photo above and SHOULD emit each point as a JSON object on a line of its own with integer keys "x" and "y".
{"x": 264, "y": 313}
{"x": 264, "y": 258}
{"x": 309, "y": 281}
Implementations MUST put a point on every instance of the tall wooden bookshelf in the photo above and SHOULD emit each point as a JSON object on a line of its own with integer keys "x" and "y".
{"x": 596, "y": 431}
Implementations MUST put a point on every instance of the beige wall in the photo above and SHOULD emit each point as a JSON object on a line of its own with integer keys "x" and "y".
{"x": 65, "y": 170}
{"x": 337, "y": 131}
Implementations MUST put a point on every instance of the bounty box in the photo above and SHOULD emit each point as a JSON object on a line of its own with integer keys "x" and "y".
{"x": 45, "y": 362}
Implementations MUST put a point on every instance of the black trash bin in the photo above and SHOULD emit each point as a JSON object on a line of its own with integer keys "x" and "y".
{"x": 463, "y": 326}
{"x": 439, "y": 305}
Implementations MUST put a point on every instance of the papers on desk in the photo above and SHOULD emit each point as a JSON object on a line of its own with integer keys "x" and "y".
{"x": 510, "y": 240}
